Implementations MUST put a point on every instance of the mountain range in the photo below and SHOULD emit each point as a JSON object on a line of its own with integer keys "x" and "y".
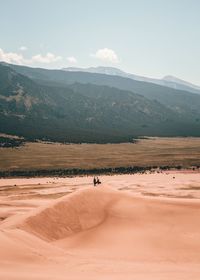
{"x": 168, "y": 81}
{"x": 78, "y": 106}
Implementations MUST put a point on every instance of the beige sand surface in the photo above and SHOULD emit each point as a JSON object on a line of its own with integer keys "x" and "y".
{"x": 130, "y": 227}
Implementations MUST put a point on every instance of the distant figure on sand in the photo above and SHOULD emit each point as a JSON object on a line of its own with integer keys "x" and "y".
{"x": 96, "y": 181}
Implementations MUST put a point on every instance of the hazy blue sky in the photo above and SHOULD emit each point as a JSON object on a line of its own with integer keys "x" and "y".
{"x": 146, "y": 37}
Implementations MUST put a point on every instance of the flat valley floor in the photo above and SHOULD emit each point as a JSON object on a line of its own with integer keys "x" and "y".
{"x": 143, "y": 227}
{"x": 145, "y": 152}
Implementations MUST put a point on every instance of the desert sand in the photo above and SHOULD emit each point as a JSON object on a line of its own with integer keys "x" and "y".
{"x": 142, "y": 227}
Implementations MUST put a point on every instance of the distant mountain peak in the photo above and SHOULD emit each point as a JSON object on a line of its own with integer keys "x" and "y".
{"x": 168, "y": 81}
{"x": 174, "y": 79}
{"x": 99, "y": 69}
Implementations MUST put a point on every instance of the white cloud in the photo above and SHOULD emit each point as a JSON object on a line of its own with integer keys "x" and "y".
{"x": 11, "y": 57}
{"x": 106, "y": 54}
{"x": 23, "y": 48}
{"x": 72, "y": 59}
{"x": 16, "y": 58}
{"x": 48, "y": 58}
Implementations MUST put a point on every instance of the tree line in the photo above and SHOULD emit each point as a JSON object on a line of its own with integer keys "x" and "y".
{"x": 87, "y": 172}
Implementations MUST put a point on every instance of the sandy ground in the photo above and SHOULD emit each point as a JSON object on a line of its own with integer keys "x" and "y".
{"x": 131, "y": 226}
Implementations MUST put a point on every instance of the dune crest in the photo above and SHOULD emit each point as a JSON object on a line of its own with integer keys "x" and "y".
{"x": 71, "y": 214}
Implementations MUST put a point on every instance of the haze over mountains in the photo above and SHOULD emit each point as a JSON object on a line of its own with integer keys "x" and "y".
{"x": 168, "y": 81}
{"x": 79, "y": 106}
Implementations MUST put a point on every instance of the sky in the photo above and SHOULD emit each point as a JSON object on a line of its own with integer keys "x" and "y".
{"x": 152, "y": 38}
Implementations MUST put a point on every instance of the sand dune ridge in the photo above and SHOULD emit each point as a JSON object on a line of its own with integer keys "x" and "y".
{"x": 71, "y": 214}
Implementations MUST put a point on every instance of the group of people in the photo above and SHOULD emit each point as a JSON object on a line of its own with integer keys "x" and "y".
{"x": 96, "y": 181}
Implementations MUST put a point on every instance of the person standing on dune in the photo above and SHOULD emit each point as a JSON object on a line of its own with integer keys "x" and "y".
{"x": 94, "y": 181}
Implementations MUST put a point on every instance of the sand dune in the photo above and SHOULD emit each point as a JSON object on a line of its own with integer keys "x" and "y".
{"x": 102, "y": 232}
{"x": 138, "y": 228}
{"x": 71, "y": 214}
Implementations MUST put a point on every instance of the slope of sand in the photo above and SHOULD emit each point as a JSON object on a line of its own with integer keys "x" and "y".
{"x": 106, "y": 232}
